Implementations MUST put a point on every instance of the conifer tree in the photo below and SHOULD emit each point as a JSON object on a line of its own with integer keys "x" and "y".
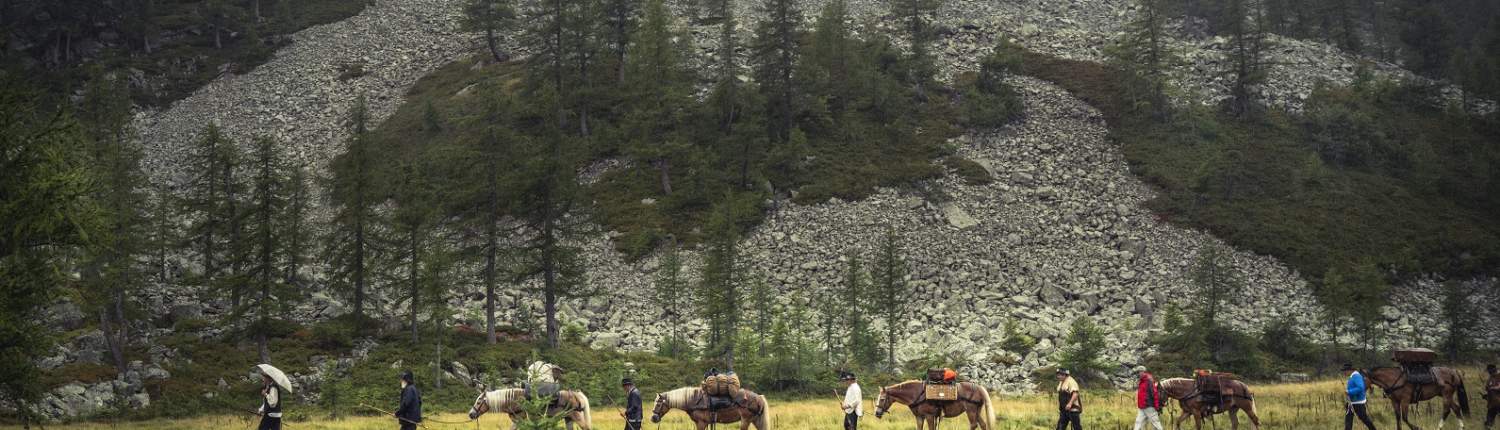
{"x": 659, "y": 90}
{"x": 669, "y": 292}
{"x": 861, "y": 348}
{"x": 211, "y": 164}
{"x": 354, "y": 193}
{"x": 292, "y": 222}
{"x": 483, "y": 204}
{"x": 112, "y": 269}
{"x": 1144, "y": 54}
{"x": 267, "y": 246}
{"x": 1248, "y": 45}
{"x": 916, "y": 17}
{"x": 720, "y": 284}
{"x": 890, "y": 295}
{"x": 48, "y": 215}
{"x": 492, "y": 17}
{"x": 549, "y": 206}
{"x": 620, "y": 22}
{"x": 831, "y": 55}
{"x": 412, "y": 224}
{"x": 778, "y": 38}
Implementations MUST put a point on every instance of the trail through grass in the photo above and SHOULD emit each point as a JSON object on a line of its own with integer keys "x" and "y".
{"x": 1313, "y": 405}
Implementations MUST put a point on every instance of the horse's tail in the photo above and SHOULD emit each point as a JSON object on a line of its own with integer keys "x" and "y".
{"x": 588, "y": 414}
{"x": 989, "y": 407}
{"x": 1463, "y": 397}
{"x": 763, "y": 421}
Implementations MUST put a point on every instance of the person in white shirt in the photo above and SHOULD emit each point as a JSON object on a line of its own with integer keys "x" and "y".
{"x": 853, "y": 402}
{"x": 270, "y": 407}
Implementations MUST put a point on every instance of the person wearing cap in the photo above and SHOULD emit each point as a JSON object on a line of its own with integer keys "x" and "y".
{"x": 1069, "y": 402}
{"x": 1147, "y": 400}
{"x": 632, "y": 412}
{"x": 1355, "y": 391}
{"x": 853, "y": 405}
{"x": 409, "y": 414}
{"x": 270, "y": 406}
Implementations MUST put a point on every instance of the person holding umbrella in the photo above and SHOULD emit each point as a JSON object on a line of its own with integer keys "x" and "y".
{"x": 273, "y": 385}
{"x": 409, "y": 413}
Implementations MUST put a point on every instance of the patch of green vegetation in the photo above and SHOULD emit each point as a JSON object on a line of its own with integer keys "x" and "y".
{"x": 1372, "y": 174}
{"x": 188, "y": 59}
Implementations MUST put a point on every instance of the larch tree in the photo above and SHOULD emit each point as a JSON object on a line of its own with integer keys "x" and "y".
{"x": 1144, "y": 54}
{"x": 112, "y": 270}
{"x": 669, "y": 292}
{"x": 412, "y": 224}
{"x": 720, "y": 287}
{"x": 620, "y": 23}
{"x": 268, "y": 249}
{"x": 354, "y": 192}
{"x": 891, "y": 297}
{"x": 492, "y": 17}
{"x": 861, "y": 347}
{"x": 1248, "y": 45}
{"x": 778, "y": 37}
{"x": 659, "y": 88}
{"x": 49, "y": 213}
{"x": 916, "y": 18}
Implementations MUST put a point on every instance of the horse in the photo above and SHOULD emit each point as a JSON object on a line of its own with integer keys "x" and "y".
{"x": 1403, "y": 395}
{"x": 971, "y": 398}
{"x": 1186, "y": 392}
{"x": 747, "y": 408}
{"x": 572, "y": 405}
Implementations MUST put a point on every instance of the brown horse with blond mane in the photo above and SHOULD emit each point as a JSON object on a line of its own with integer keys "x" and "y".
{"x": 1450, "y": 386}
{"x": 973, "y": 400}
{"x": 745, "y": 408}
{"x": 1186, "y": 392}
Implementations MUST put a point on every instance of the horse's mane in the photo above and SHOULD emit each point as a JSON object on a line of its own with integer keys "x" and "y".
{"x": 498, "y": 398}
{"x": 679, "y": 397}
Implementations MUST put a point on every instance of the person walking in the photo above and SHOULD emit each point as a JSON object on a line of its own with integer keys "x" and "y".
{"x": 853, "y": 405}
{"x": 1147, "y": 400}
{"x": 632, "y": 412}
{"x": 1069, "y": 401}
{"x": 409, "y": 413}
{"x": 1492, "y": 395}
{"x": 1355, "y": 390}
{"x": 270, "y": 406}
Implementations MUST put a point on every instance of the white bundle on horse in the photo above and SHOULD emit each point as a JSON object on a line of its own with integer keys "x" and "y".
{"x": 543, "y": 372}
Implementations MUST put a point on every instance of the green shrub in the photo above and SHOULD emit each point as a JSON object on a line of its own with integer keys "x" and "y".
{"x": 971, "y": 171}
{"x": 1015, "y": 341}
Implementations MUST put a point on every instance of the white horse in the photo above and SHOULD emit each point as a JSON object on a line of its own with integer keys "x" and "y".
{"x": 573, "y": 406}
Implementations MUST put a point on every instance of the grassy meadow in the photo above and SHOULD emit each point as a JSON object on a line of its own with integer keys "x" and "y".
{"x": 1314, "y": 405}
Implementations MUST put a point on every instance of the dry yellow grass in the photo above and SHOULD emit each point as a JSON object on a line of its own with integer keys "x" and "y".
{"x": 1314, "y": 405}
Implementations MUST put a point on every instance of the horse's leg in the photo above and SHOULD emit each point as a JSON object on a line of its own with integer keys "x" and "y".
{"x": 1234, "y": 420}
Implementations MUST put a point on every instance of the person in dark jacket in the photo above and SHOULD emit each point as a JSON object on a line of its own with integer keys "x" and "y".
{"x": 1491, "y": 395}
{"x": 632, "y": 412}
{"x": 1147, "y": 400}
{"x": 409, "y": 414}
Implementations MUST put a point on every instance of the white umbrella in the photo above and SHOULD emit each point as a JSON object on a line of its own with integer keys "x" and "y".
{"x": 276, "y": 375}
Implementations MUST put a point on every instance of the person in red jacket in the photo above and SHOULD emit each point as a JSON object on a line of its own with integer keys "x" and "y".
{"x": 1147, "y": 399}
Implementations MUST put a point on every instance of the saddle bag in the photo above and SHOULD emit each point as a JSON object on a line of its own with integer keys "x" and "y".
{"x": 935, "y": 375}
{"x": 940, "y": 392}
{"x": 1420, "y": 374}
{"x": 718, "y": 403}
{"x": 1414, "y": 355}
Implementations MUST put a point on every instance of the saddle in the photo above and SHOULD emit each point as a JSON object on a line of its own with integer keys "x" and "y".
{"x": 715, "y": 403}
{"x": 1416, "y": 363}
{"x": 548, "y": 390}
{"x": 1215, "y": 389}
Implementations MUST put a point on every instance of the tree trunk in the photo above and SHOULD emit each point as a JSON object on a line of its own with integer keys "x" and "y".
{"x": 218, "y": 42}
{"x": 489, "y": 282}
{"x": 489, "y": 38}
{"x": 411, "y": 270}
{"x": 112, "y": 341}
{"x": 665, "y": 166}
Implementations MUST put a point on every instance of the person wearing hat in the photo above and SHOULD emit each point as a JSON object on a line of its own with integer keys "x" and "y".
{"x": 409, "y": 414}
{"x": 270, "y": 406}
{"x": 1355, "y": 391}
{"x": 1069, "y": 402}
{"x": 853, "y": 404}
{"x": 632, "y": 412}
{"x": 1147, "y": 399}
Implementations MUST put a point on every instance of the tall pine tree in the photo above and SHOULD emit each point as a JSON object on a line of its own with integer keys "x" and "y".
{"x": 354, "y": 194}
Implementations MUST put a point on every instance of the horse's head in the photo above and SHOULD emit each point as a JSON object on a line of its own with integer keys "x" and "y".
{"x": 660, "y": 408}
{"x": 481, "y": 405}
{"x": 882, "y": 403}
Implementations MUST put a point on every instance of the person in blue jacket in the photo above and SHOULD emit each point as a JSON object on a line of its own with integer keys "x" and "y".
{"x": 1355, "y": 390}
{"x": 409, "y": 413}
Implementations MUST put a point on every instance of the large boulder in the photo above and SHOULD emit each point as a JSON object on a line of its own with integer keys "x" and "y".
{"x": 65, "y": 316}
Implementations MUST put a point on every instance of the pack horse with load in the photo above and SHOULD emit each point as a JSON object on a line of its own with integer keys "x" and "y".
{"x": 719, "y": 400}
{"x": 1415, "y": 379}
{"x": 939, "y": 396}
{"x": 542, "y": 382}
